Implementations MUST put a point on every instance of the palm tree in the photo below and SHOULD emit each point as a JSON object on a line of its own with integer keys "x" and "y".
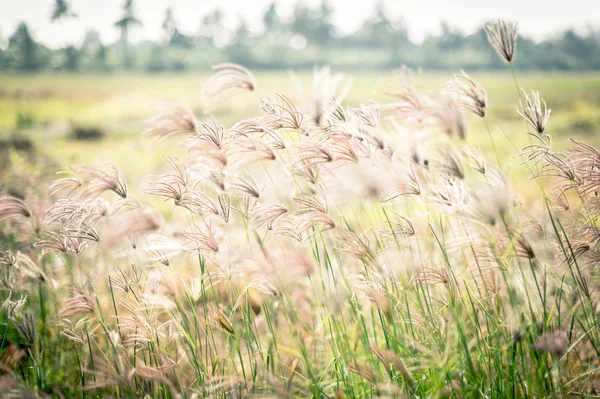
{"x": 169, "y": 25}
{"x": 127, "y": 21}
{"x": 61, "y": 10}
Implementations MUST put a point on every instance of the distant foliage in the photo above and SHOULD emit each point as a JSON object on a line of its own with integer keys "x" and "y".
{"x": 306, "y": 39}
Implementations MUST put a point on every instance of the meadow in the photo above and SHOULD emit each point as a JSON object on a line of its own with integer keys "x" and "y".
{"x": 374, "y": 234}
{"x": 47, "y": 108}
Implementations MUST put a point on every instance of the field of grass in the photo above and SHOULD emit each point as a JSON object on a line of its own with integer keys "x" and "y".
{"x": 359, "y": 254}
{"x": 47, "y": 108}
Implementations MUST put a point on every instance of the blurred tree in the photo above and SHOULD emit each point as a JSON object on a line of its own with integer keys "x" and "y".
{"x": 169, "y": 25}
{"x": 24, "y": 49}
{"x": 303, "y": 22}
{"x": 451, "y": 39}
{"x": 381, "y": 28}
{"x": 211, "y": 30}
{"x": 382, "y": 41}
{"x": 3, "y": 58}
{"x": 156, "y": 63}
{"x": 271, "y": 19}
{"x": 323, "y": 24}
{"x": 581, "y": 50}
{"x": 91, "y": 41}
{"x": 99, "y": 61}
{"x": 71, "y": 59}
{"x": 61, "y": 10}
{"x": 127, "y": 21}
{"x": 240, "y": 50}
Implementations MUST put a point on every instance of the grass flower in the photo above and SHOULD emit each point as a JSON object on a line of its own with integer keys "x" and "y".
{"x": 535, "y": 112}
{"x": 503, "y": 37}
{"x": 470, "y": 96}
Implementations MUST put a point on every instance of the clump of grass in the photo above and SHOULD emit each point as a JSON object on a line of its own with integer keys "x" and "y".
{"x": 313, "y": 251}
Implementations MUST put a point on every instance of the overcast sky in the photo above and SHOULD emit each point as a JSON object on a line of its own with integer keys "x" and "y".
{"x": 537, "y": 18}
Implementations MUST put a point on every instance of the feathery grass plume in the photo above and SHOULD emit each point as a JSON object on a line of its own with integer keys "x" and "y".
{"x": 227, "y": 80}
{"x": 245, "y": 186}
{"x": 212, "y": 133}
{"x": 362, "y": 371}
{"x": 202, "y": 242}
{"x": 561, "y": 167}
{"x": 470, "y": 96}
{"x": 165, "y": 186}
{"x": 559, "y": 200}
{"x": 450, "y": 163}
{"x": 137, "y": 223}
{"x": 258, "y": 127}
{"x": 195, "y": 288}
{"x": 106, "y": 375}
{"x": 537, "y": 152}
{"x": 535, "y": 111}
{"x": 140, "y": 324}
{"x": 126, "y": 281}
{"x": 80, "y": 302}
{"x": 160, "y": 248}
{"x": 381, "y": 301}
{"x": 171, "y": 185}
{"x": 281, "y": 113}
{"x": 350, "y": 243}
{"x": 576, "y": 249}
{"x": 61, "y": 243}
{"x": 287, "y": 228}
{"x": 403, "y": 227}
{"x": 11, "y": 358}
{"x": 26, "y": 326}
{"x": 219, "y": 318}
{"x": 584, "y": 162}
{"x": 408, "y": 186}
{"x": 306, "y": 171}
{"x": 11, "y": 207}
{"x": 101, "y": 180}
{"x": 28, "y": 268}
{"x": 474, "y": 158}
{"x": 326, "y": 87}
{"x": 7, "y": 270}
{"x": 224, "y": 207}
{"x": 554, "y": 343}
{"x": 381, "y": 356}
{"x": 267, "y": 214}
{"x": 412, "y": 107}
{"x": 210, "y": 171}
{"x": 247, "y": 151}
{"x": 206, "y": 154}
{"x": 440, "y": 275}
{"x": 491, "y": 201}
{"x": 65, "y": 186}
{"x": 449, "y": 193}
{"x": 198, "y": 203}
{"x": 174, "y": 120}
{"x": 311, "y": 154}
{"x": 503, "y": 37}
{"x": 122, "y": 206}
{"x": 13, "y": 308}
{"x": 445, "y": 112}
{"x": 523, "y": 248}
{"x": 388, "y": 358}
{"x": 344, "y": 151}
{"x": 367, "y": 116}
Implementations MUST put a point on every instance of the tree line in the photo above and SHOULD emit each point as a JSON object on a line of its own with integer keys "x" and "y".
{"x": 307, "y": 38}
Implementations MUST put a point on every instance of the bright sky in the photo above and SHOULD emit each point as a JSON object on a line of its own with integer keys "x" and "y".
{"x": 537, "y": 18}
